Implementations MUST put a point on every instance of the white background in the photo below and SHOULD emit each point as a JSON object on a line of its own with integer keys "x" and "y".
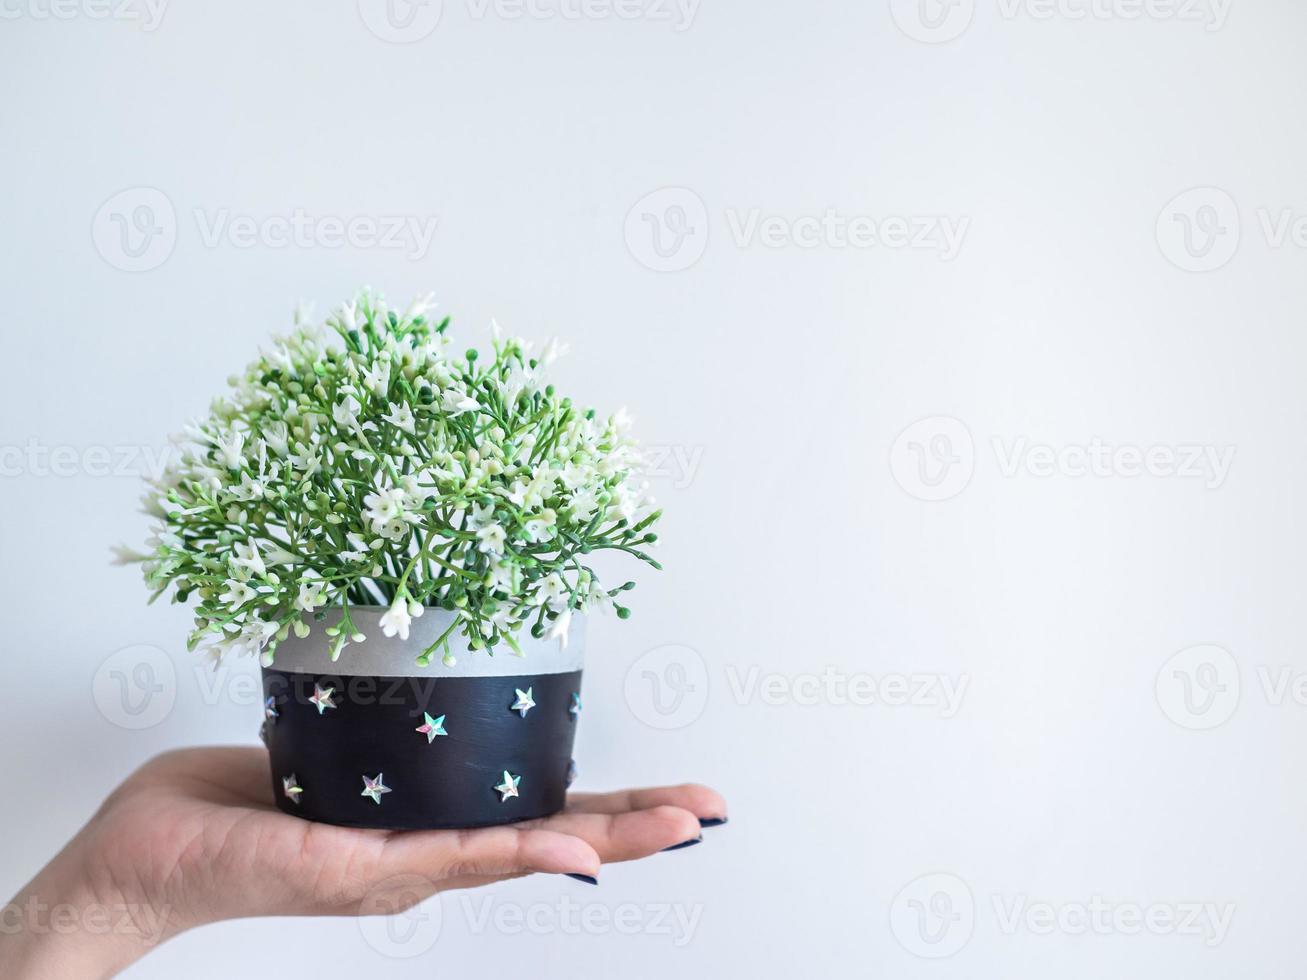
{"x": 1081, "y": 764}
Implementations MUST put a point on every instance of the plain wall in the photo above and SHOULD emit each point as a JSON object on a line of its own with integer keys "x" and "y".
{"x": 783, "y": 373}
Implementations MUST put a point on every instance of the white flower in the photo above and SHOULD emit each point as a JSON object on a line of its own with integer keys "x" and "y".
{"x": 517, "y": 492}
{"x": 419, "y": 307}
{"x": 237, "y": 594}
{"x": 541, "y": 527}
{"x": 414, "y": 491}
{"x": 305, "y": 459}
{"x": 346, "y": 412}
{"x": 456, "y": 402}
{"x": 401, "y": 416}
{"x": 492, "y": 538}
{"x": 277, "y": 555}
{"x": 312, "y": 595}
{"x": 627, "y": 501}
{"x": 502, "y": 578}
{"x": 359, "y": 548}
{"x": 558, "y": 631}
{"x": 377, "y": 378}
{"x": 480, "y": 516}
{"x": 277, "y": 437}
{"x": 163, "y": 539}
{"x": 253, "y": 637}
{"x": 247, "y": 556}
{"x": 584, "y": 503}
{"x": 396, "y": 530}
{"x": 598, "y": 599}
{"x": 229, "y": 449}
{"x": 396, "y": 619}
{"x": 439, "y": 372}
{"x": 575, "y": 475}
{"x": 278, "y": 357}
{"x": 249, "y": 488}
{"x": 530, "y": 496}
{"x": 519, "y": 379}
{"x": 385, "y": 506}
{"x": 551, "y": 589}
{"x": 348, "y": 315}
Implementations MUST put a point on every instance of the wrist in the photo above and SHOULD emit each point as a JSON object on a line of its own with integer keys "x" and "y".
{"x": 59, "y": 927}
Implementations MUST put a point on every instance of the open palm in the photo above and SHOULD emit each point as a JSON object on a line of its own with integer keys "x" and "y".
{"x": 194, "y": 835}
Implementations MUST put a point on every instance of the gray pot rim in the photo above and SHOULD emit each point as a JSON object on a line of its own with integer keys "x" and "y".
{"x": 389, "y": 656}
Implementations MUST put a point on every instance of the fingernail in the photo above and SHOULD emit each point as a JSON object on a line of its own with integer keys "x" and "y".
{"x": 712, "y": 821}
{"x": 684, "y": 843}
{"x": 588, "y": 879}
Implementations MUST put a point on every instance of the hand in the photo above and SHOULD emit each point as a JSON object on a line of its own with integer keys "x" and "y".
{"x": 193, "y": 837}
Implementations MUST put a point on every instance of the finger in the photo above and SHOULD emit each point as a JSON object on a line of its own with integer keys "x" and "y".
{"x": 703, "y": 802}
{"x": 627, "y": 836}
{"x": 488, "y": 852}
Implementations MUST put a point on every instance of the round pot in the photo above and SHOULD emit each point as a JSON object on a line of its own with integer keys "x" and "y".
{"x": 373, "y": 740}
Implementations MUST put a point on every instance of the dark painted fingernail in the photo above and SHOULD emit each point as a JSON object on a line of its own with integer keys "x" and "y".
{"x": 712, "y": 821}
{"x": 684, "y": 843}
{"x": 589, "y": 880}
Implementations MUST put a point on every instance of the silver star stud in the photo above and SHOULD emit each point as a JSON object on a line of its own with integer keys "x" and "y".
{"x": 373, "y": 788}
{"x": 291, "y": 788}
{"x": 508, "y": 787}
{"x": 270, "y": 711}
{"x": 524, "y": 703}
{"x": 431, "y": 727}
{"x": 322, "y": 698}
{"x": 575, "y": 709}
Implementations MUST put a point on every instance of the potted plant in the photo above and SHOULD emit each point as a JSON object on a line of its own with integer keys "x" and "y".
{"x": 402, "y": 534}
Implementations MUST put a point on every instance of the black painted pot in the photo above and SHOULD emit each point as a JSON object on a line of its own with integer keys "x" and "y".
{"x": 373, "y": 740}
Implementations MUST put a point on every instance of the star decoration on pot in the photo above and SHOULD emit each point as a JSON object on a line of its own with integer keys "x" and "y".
{"x": 270, "y": 711}
{"x": 524, "y": 702}
{"x": 291, "y": 787}
{"x": 571, "y": 771}
{"x": 431, "y": 727}
{"x": 373, "y": 788}
{"x": 322, "y": 699}
{"x": 508, "y": 787}
{"x": 575, "y": 709}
